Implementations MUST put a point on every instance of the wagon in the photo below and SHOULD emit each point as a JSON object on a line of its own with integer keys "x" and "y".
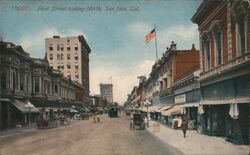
{"x": 138, "y": 121}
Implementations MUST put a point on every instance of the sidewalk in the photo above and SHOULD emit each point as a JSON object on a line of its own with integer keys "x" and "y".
{"x": 196, "y": 143}
{"x": 14, "y": 131}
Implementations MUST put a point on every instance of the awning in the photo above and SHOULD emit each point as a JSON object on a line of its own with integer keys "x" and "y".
{"x": 228, "y": 101}
{"x": 21, "y": 106}
{"x": 73, "y": 111}
{"x": 4, "y": 99}
{"x": 177, "y": 109}
{"x": 153, "y": 108}
{"x": 164, "y": 108}
{"x": 187, "y": 105}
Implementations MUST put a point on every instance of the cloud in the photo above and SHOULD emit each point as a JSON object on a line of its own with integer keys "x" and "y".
{"x": 35, "y": 43}
{"x": 183, "y": 35}
{"x": 123, "y": 81}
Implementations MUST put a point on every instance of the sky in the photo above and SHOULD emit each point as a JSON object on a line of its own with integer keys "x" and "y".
{"x": 114, "y": 29}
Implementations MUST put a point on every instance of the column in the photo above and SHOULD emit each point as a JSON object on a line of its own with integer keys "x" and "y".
{"x": 229, "y": 33}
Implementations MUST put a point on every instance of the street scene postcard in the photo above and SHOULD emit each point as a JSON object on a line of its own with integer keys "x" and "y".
{"x": 124, "y": 77}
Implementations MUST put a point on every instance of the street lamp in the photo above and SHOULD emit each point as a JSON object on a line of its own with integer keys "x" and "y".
{"x": 29, "y": 106}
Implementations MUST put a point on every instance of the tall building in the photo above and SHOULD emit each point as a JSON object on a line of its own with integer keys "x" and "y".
{"x": 70, "y": 55}
{"x": 106, "y": 92}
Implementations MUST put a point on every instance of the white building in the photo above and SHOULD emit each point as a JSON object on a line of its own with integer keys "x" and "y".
{"x": 106, "y": 92}
{"x": 70, "y": 55}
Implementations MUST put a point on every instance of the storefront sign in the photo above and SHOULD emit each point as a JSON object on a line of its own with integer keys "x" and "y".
{"x": 180, "y": 98}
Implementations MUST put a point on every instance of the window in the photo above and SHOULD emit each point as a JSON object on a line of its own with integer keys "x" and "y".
{"x": 68, "y": 65}
{"x": 56, "y": 89}
{"x": 58, "y": 47}
{"x": 68, "y": 75}
{"x": 218, "y": 44}
{"x": 76, "y": 75}
{"x": 76, "y": 65}
{"x": 68, "y": 40}
{"x": 62, "y": 66}
{"x": 241, "y": 34}
{"x": 3, "y": 81}
{"x": 68, "y": 47}
{"x": 37, "y": 85}
{"x": 68, "y": 56}
{"x": 58, "y": 66}
{"x": 61, "y": 56}
{"x": 21, "y": 81}
{"x": 206, "y": 44}
{"x": 76, "y": 47}
{"x": 76, "y": 56}
{"x": 51, "y": 47}
{"x": 219, "y": 48}
{"x": 62, "y": 47}
{"x": 51, "y": 56}
{"x": 58, "y": 56}
{"x": 14, "y": 80}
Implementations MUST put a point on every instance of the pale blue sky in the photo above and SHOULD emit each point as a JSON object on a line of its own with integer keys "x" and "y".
{"x": 117, "y": 39}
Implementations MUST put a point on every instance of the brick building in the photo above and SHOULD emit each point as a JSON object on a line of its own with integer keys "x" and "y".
{"x": 224, "y": 28}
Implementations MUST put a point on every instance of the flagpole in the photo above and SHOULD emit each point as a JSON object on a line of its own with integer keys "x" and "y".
{"x": 156, "y": 45}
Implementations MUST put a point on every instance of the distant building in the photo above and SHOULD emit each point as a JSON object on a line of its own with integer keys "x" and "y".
{"x": 107, "y": 92}
{"x": 70, "y": 55}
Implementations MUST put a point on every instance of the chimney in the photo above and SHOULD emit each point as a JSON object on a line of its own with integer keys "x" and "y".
{"x": 193, "y": 48}
{"x": 56, "y": 36}
{"x": 173, "y": 46}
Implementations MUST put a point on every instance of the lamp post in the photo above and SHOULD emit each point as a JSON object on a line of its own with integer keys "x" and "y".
{"x": 29, "y": 106}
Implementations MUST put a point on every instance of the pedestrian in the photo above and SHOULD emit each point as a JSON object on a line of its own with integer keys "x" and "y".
{"x": 184, "y": 127}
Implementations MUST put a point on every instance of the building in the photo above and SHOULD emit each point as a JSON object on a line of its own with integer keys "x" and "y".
{"x": 224, "y": 29}
{"x": 70, "y": 55}
{"x": 175, "y": 65}
{"x": 25, "y": 80}
{"x": 107, "y": 92}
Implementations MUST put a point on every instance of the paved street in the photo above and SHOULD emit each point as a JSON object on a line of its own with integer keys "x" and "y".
{"x": 110, "y": 136}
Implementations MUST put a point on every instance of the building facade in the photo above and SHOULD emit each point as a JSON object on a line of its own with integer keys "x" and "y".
{"x": 106, "y": 91}
{"x": 224, "y": 28}
{"x": 29, "y": 80}
{"x": 70, "y": 55}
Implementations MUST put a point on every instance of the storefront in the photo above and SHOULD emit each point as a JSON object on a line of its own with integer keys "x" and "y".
{"x": 226, "y": 109}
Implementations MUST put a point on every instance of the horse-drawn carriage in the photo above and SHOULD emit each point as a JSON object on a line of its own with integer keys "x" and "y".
{"x": 138, "y": 122}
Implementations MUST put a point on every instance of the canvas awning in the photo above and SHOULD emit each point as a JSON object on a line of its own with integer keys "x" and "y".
{"x": 177, "y": 109}
{"x": 153, "y": 108}
{"x": 21, "y": 106}
{"x": 164, "y": 108}
{"x": 187, "y": 105}
{"x": 227, "y": 101}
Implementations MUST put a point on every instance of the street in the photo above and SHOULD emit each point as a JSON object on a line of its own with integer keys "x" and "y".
{"x": 111, "y": 136}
